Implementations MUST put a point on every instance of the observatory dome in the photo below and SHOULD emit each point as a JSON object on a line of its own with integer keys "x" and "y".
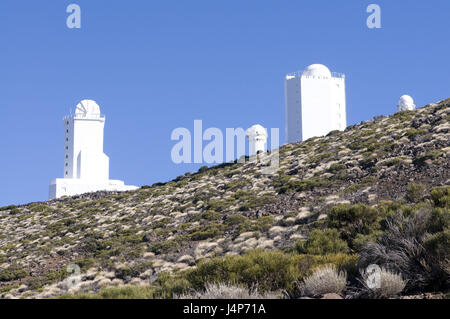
{"x": 317, "y": 70}
{"x": 256, "y": 131}
{"x": 87, "y": 108}
{"x": 406, "y": 103}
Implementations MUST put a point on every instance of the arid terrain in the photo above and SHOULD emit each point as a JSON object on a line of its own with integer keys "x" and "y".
{"x": 345, "y": 200}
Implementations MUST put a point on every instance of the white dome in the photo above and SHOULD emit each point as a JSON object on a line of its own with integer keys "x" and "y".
{"x": 88, "y": 108}
{"x": 317, "y": 70}
{"x": 406, "y": 103}
{"x": 256, "y": 131}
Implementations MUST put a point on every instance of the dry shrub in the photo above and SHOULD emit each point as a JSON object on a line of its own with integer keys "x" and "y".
{"x": 228, "y": 291}
{"x": 326, "y": 279}
{"x": 401, "y": 248}
{"x": 391, "y": 284}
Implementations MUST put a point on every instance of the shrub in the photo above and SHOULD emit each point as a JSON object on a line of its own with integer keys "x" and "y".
{"x": 203, "y": 169}
{"x": 236, "y": 219}
{"x": 352, "y": 220}
{"x": 440, "y": 220}
{"x": 322, "y": 243}
{"x": 208, "y": 215}
{"x": 170, "y": 285}
{"x": 240, "y": 183}
{"x": 124, "y": 292}
{"x": 441, "y": 196}
{"x": 336, "y": 167}
{"x": 164, "y": 247}
{"x": 269, "y": 270}
{"x": 12, "y": 273}
{"x": 10, "y": 207}
{"x": 401, "y": 248}
{"x": 431, "y": 155}
{"x": 284, "y": 185}
{"x": 390, "y": 284}
{"x": 228, "y": 291}
{"x": 439, "y": 245}
{"x": 324, "y": 280}
{"x": 210, "y": 231}
{"x": 415, "y": 192}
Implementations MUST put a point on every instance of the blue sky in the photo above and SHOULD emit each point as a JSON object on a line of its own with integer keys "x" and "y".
{"x": 153, "y": 66}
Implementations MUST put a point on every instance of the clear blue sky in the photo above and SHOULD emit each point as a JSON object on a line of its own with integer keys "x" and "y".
{"x": 156, "y": 65}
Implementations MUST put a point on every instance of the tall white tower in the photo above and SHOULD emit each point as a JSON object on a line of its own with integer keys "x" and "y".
{"x": 257, "y": 139}
{"x": 83, "y": 154}
{"x": 406, "y": 103}
{"x": 86, "y": 167}
{"x": 315, "y": 103}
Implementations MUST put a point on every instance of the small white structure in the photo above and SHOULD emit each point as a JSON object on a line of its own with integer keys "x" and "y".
{"x": 315, "y": 103}
{"x": 86, "y": 167}
{"x": 257, "y": 138}
{"x": 406, "y": 103}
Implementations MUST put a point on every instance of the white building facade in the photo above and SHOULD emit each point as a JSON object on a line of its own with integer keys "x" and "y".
{"x": 315, "y": 103}
{"x": 257, "y": 139}
{"x": 86, "y": 167}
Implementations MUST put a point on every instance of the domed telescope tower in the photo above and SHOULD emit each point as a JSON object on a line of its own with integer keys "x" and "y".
{"x": 257, "y": 138}
{"x": 315, "y": 103}
{"x": 86, "y": 167}
{"x": 406, "y": 103}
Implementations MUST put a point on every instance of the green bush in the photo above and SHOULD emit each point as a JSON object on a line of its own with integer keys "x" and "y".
{"x": 164, "y": 247}
{"x": 439, "y": 221}
{"x": 269, "y": 270}
{"x": 12, "y": 273}
{"x": 439, "y": 245}
{"x": 203, "y": 169}
{"x": 322, "y": 242}
{"x": 205, "y": 232}
{"x": 160, "y": 223}
{"x": 415, "y": 192}
{"x": 240, "y": 183}
{"x": 286, "y": 185}
{"x": 352, "y": 220}
{"x": 336, "y": 167}
{"x": 208, "y": 215}
{"x": 235, "y": 220}
{"x": 124, "y": 292}
{"x": 441, "y": 196}
{"x": 431, "y": 155}
{"x": 10, "y": 207}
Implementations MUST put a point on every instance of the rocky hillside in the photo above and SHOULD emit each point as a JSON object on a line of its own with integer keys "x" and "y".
{"x": 132, "y": 238}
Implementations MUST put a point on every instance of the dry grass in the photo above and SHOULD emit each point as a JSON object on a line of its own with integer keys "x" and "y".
{"x": 226, "y": 291}
{"x": 325, "y": 280}
{"x": 390, "y": 284}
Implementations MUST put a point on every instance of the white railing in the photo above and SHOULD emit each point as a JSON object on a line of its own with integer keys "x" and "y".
{"x": 84, "y": 116}
{"x": 333, "y": 74}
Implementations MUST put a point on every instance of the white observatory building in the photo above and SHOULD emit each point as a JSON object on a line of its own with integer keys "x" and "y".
{"x": 257, "y": 139}
{"x": 86, "y": 167}
{"x": 406, "y": 103}
{"x": 315, "y": 103}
